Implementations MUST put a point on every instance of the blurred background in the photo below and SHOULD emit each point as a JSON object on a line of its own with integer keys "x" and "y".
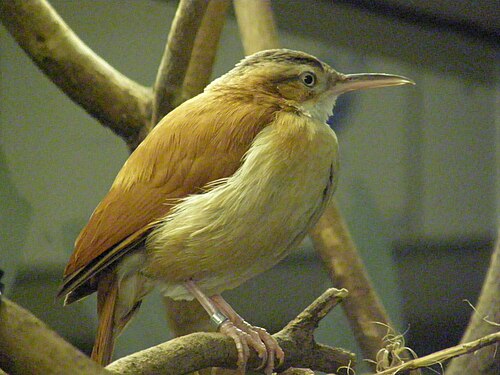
{"x": 420, "y": 166}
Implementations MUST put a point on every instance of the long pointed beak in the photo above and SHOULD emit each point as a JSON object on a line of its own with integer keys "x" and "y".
{"x": 351, "y": 82}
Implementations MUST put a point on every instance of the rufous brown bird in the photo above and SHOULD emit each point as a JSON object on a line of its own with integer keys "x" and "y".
{"x": 222, "y": 189}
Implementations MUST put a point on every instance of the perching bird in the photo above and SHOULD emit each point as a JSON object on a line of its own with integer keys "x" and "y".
{"x": 222, "y": 189}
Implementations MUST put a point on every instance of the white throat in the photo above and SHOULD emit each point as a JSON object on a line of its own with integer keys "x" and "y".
{"x": 319, "y": 110}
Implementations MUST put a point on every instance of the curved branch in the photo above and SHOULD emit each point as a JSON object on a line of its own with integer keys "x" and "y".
{"x": 176, "y": 57}
{"x": 257, "y": 27}
{"x": 205, "y": 49}
{"x": 85, "y": 77}
{"x": 28, "y": 346}
{"x": 332, "y": 240}
{"x": 201, "y": 350}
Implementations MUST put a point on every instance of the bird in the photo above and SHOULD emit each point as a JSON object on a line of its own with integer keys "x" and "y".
{"x": 221, "y": 190}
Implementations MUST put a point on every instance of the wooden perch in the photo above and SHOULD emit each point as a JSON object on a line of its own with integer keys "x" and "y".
{"x": 113, "y": 99}
{"x": 200, "y": 350}
{"x": 27, "y": 346}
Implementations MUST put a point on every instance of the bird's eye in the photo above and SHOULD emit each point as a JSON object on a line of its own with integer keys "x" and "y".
{"x": 308, "y": 79}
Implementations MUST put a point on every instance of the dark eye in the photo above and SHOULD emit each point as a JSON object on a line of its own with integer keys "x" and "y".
{"x": 308, "y": 79}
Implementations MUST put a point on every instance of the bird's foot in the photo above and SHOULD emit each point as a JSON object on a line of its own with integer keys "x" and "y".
{"x": 247, "y": 336}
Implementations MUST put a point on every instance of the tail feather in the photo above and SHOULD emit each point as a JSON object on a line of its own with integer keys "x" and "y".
{"x": 107, "y": 295}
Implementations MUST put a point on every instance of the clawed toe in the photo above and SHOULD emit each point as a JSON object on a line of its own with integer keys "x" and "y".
{"x": 260, "y": 340}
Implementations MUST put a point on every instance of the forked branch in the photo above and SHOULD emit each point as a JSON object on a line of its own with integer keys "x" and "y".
{"x": 113, "y": 99}
{"x": 27, "y": 346}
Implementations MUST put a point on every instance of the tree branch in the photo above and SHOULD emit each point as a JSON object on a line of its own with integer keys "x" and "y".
{"x": 28, "y": 346}
{"x": 257, "y": 27}
{"x": 201, "y": 350}
{"x": 332, "y": 240}
{"x": 176, "y": 57}
{"x": 486, "y": 311}
{"x": 85, "y": 77}
{"x": 205, "y": 49}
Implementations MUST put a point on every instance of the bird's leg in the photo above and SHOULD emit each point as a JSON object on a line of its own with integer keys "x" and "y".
{"x": 224, "y": 325}
{"x": 259, "y": 335}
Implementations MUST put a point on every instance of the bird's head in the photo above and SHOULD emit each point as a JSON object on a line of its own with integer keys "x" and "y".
{"x": 299, "y": 79}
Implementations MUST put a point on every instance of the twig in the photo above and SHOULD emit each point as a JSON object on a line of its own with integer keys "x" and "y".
{"x": 200, "y": 350}
{"x": 257, "y": 27}
{"x": 332, "y": 240}
{"x": 445, "y": 354}
{"x": 176, "y": 57}
{"x": 84, "y": 76}
{"x": 28, "y": 346}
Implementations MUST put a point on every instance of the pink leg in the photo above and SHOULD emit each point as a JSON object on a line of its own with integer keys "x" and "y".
{"x": 260, "y": 336}
{"x": 243, "y": 334}
{"x": 225, "y": 326}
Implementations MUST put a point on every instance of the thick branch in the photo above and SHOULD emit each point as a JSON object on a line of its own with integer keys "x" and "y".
{"x": 257, "y": 27}
{"x": 85, "y": 77}
{"x": 200, "y": 350}
{"x": 176, "y": 57}
{"x": 482, "y": 323}
{"x": 28, "y": 346}
{"x": 332, "y": 240}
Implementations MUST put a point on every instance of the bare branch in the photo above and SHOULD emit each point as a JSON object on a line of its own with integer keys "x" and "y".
{"x": 332, "y": 240}
{"x": 446, "y": 354}
{"x": 85, "y": 77}
{"x": 205, "y": 49}
{"x": 176, "y": 57}
{"x": 28, "y": 346}
{"x": 486, "y": 312}
{"x": 257, "y": 27}
{"x": 201, "y": 350}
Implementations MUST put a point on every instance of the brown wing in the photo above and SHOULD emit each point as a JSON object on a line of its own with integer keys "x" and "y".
{"x": 202, "y": 140}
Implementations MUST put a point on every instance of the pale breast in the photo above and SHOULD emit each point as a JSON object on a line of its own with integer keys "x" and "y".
{"x": 249, "y": 222}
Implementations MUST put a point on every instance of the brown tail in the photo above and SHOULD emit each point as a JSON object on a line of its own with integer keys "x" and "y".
{"x": 107, "y": 293}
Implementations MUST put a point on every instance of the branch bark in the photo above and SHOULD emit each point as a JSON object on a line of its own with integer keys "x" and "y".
{"x": 257, "y": 27}
{"x": 205, "y": 49}
{"x": 332, "y": 240}
{"x": 175, "y": 61}
{"x": 28, "y": 346}
{"x": 485, "y": 320}
{"x": 81, "y": 74}
{"x": 201, "y": 350}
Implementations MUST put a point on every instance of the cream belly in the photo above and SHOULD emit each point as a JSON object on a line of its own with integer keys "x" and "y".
{"x": 249, "y": 222}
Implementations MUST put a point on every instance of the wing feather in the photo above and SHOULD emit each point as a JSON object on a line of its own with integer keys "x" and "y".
{"x": 191, "y": 147}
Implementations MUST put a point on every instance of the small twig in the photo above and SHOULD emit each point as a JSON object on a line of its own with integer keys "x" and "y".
{"x": 84, "y": 76}
{"x": 175, "y": 61}
{"x": 445, "y": 354}
{"x": 200, "y": 350}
